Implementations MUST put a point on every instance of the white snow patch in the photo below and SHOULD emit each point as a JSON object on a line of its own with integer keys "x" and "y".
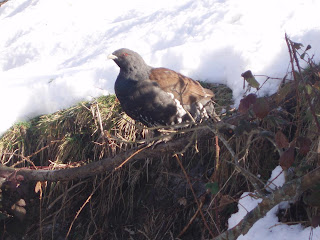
{"x": 269, "y": 227}
{"x": 245, "y": 205}
{"x": 276, "y": 180}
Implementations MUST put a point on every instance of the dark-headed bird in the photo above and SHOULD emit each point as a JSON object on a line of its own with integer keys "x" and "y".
{"x": 158, "y": 96}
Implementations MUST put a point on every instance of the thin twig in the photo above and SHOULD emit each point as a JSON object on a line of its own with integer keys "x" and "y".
{"x": 85, "y": 203}
{"x": 217, "y": 158}
{"x": 194, "y": 194}
{"x": 190, "y": 221}
{"x": 251, "y": 177}
{"x": 294, "y": 53}
{"x": 80, "y": 210}
{"x": 290, "y": 49}
{"x": 125, "y": 161}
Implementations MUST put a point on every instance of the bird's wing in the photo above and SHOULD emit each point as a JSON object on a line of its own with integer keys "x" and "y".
{"x": 185, "y": 89}
{"x": 149, "y": 104}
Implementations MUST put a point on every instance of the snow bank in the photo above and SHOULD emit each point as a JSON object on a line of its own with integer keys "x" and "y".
{"x": 269, "y": 226}
{"x": 53, "y": 53}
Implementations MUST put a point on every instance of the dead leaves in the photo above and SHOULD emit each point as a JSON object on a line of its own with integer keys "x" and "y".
{"x": 281, "y": 140}
{"x": 248, "y": 76}
{"x": 39, "y": 186}
{"x": 287, "y": 158}
{"x": 303, "y": 145}
{"x": 260, "y": 106}
{"x": 246, "y": 103}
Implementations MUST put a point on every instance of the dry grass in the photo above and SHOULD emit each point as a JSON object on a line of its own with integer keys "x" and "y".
{"x": 148, "y": 199}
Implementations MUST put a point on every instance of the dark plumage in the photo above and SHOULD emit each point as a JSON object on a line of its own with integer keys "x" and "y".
{"x": 157, "y": 96}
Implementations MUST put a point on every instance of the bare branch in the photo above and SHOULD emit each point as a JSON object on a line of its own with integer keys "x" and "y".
{"x": 102, "y": 166}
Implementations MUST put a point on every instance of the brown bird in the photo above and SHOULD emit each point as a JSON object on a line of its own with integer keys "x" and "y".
{"x": 158, "y": 96}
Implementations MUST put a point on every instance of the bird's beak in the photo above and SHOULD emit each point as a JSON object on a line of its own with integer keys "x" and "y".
{"x": 113, "y": 57}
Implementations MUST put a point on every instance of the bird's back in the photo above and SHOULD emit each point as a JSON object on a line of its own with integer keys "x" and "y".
{"x": 186, "y": 90}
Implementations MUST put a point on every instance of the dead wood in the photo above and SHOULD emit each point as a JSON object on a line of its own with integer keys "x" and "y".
{"x": 102, "y": 166}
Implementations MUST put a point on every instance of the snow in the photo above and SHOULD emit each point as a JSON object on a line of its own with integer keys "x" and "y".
{"x": 269, "y": 226}
{"x": 246, "y": 203}
{"x": 276, "y": 180}
{"x": 53, "y": 54}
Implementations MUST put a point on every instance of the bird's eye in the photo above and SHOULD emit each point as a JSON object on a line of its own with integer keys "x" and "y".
{"x": 124, "y": 54}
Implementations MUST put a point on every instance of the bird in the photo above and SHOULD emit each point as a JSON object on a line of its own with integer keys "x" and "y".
{"x": 158, "y": 96}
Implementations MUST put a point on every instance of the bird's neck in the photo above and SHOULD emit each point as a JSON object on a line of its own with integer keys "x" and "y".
{"x": 135, "y": 74}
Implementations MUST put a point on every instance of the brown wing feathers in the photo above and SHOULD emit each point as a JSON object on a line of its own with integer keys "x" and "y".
{"x": 186, "y": 90}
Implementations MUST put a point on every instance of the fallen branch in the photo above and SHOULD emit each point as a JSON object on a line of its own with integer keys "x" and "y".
{"x": 102, "y": 166}
{"x": 112, "y": 163}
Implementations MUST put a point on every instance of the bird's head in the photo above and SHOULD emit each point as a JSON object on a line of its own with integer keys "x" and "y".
{"x": 127, "y": 59}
